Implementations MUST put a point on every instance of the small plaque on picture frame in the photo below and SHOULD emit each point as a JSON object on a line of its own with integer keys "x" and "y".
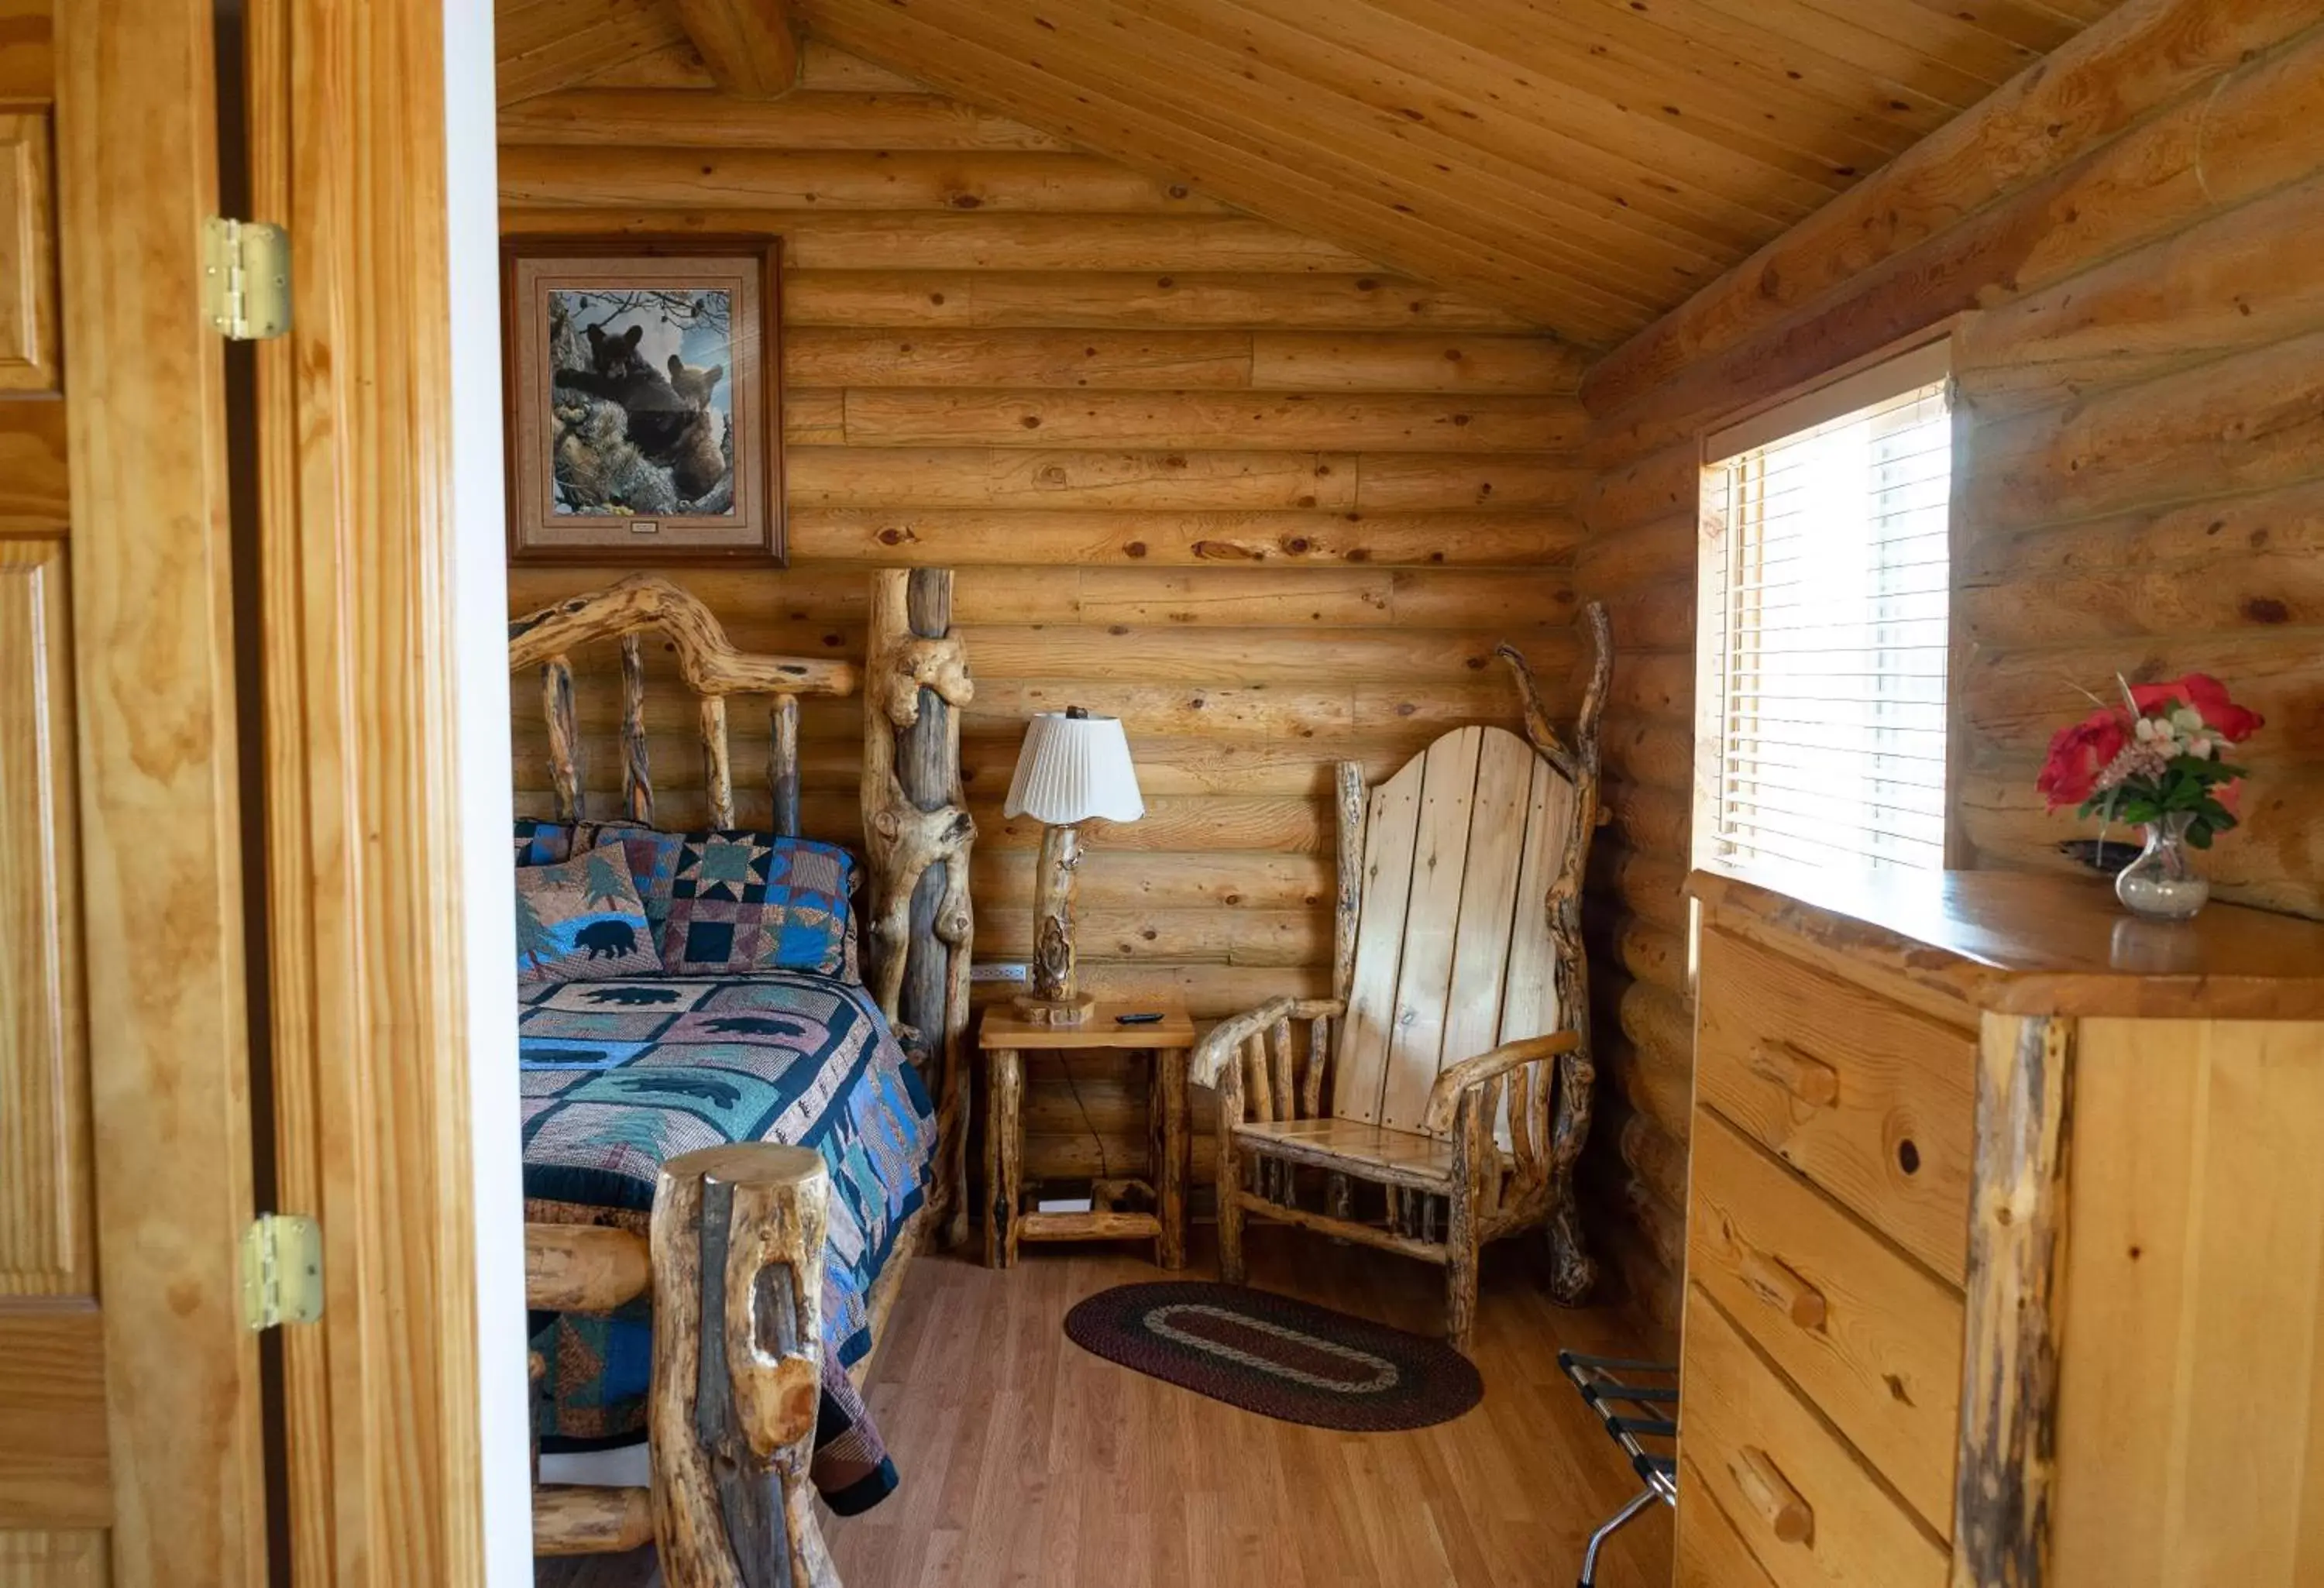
{"x": 644, "y": 382}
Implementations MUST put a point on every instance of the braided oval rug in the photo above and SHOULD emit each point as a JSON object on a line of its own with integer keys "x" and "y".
{"x": 1278, "y": 1357}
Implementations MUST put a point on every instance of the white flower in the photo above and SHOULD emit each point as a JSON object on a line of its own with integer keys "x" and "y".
{"x": 2187, "y": 719}
{"x": 2149, "y": 760}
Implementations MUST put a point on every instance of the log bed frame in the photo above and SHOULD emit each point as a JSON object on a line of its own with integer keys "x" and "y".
{"x": 734, "y": 1255}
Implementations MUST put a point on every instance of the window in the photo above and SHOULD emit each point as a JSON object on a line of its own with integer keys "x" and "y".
{"x": 1823, "y": 645}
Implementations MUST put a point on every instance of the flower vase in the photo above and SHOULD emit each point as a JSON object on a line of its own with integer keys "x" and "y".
{"x": 2161, "y": 884}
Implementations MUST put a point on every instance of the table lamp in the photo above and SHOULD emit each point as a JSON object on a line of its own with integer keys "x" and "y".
{"x": 1074, "y": 768}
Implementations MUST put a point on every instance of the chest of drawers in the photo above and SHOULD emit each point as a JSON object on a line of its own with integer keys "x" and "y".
{"x": 2004, "y": 1241}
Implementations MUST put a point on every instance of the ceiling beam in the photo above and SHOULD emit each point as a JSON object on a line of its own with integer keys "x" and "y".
{"x": 751, "y": 47}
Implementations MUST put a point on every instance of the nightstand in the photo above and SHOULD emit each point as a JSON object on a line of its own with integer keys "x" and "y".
{"x": 1167, "y": 1043}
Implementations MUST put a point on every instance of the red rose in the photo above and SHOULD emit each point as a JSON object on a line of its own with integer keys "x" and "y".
{"x": 2078, "y": 754}
{"x": 2208, "y": 697}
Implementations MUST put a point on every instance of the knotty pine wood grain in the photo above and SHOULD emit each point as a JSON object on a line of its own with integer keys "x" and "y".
{"x": 153, "y": 728}
{"x": 2085, "y": 96}
{"x": 865, "y": 240}
{"x": 678, "y": 64}
{"x": 812, "y": 119}
{"x": 1588, "y": 166}
{"x": 1272, "y": 505}
{"x": 1026, "y": 1459}
{"x": 539, "y": 48}
{"x": 2138, "y": 488}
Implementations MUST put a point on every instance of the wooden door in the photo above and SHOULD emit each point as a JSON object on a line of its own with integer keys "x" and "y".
{"x": 362, "y": 622}
{"x": 143, "y": 634}
{"x": 130, "y": 1447}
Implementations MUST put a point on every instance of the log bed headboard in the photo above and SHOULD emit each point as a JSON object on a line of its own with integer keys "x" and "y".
{"x": 918, "y": 831}
{"x": 710, "y": 665}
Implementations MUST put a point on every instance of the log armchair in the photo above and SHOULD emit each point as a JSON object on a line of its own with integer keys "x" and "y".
{"x": 1441, "y": 1097}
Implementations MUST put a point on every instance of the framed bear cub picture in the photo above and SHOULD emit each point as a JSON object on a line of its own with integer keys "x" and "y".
{"x": 644, "y": 399}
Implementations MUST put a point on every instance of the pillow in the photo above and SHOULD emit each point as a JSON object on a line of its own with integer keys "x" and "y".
{"x": 541, "y": 843}
{"x": 746, "y": 902}
{"x": 652, "y": 860}
{"x": 581, "y": 921}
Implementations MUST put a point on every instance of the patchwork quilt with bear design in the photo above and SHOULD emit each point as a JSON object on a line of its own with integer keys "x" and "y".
{"x": 619, "y": 1075}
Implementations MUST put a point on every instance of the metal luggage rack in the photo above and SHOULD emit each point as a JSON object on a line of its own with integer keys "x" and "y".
{"x": 1637, "y": 1401}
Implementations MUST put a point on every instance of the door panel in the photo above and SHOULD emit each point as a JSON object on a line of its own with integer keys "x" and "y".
{"x": 45, "y": 1184}
{"x": 59, "y": 1559}
{"x": 129, "y": 1406}
{"x": 53, "y": 1435}
{"x": 56, "y": 1494}
{"x": 28, "y": 297}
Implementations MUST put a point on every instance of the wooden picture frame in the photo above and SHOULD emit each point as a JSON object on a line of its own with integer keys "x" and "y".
{"x": 665, "y": 444}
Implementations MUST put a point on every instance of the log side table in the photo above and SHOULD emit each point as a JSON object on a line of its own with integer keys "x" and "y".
{"x": 1167, "y": 1043}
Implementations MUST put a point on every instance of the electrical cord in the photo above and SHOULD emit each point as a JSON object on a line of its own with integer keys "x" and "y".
{"x": 1104, "y": 1169}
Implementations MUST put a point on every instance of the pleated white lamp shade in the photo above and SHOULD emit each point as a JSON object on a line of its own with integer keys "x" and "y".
{"x": 1075, "y": 769}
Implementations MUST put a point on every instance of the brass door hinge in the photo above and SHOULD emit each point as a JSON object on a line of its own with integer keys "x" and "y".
{"x": 245, "y": 278}
{"x": 282, "y": 1270}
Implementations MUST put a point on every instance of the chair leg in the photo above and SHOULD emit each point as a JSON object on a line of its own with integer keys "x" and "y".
{"x": 1461, "y": 1269}
{"x": 1460, "y": 1297}
{"x": 1621, "y": 1520}
{"x": 1231, "y": 1271}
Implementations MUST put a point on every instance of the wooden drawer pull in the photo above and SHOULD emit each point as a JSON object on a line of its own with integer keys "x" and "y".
{"x": 1776, "y": 1284}
{"x": 1810, "y": 1080}
{"x": 1779, "y": 1505}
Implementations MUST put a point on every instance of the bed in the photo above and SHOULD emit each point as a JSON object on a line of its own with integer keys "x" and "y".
{"x": 621, "y": 1076}
{"x": 726, "y": 1175}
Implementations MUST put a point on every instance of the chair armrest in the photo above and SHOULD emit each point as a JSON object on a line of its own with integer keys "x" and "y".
{"x": 1217, "y": 1050}
{"x": 1471, "y": 1073}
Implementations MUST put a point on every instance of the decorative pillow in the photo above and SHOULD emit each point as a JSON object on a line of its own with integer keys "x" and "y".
{"x": 653, "y": 859}
{"x": 581, "y": 921}
{"x": 748, "y": 901}
{"x": 541, "y": 843}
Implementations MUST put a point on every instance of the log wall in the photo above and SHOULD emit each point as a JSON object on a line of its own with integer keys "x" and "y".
{"x": 1270, "y": 505}
{"x": 2140, "y": 485}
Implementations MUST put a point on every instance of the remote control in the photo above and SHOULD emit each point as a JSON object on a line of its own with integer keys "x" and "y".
{"x": 1153, "y": 1018}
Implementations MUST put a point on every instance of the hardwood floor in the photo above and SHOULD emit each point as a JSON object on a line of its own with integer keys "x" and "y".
{"x": 1027, "y": 1461}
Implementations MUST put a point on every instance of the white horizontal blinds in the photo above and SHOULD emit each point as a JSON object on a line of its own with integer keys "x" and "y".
{"x": 1829, "y": 646}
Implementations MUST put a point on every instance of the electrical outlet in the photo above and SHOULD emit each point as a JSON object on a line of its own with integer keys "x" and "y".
{"x": 999, "y": 969}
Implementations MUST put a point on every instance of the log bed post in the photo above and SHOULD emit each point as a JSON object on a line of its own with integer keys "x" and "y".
{"x": 918, "y": 833}
{"x": 565, "y": 771}
{"x": 738, "y": 1245}
{"x": 782, "y": 764}
{"x": 637, "y": 771}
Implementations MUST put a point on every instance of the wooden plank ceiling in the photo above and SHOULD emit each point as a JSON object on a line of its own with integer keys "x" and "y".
{"x": 1584, "y": 164}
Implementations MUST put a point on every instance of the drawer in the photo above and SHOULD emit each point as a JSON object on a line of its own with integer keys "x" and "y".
{"x": 1870, "y": 1100}
{"x": 1809, "y": 1512}
{"x": 1711, "y": 1553}
{"x": 1873, "y": 1339}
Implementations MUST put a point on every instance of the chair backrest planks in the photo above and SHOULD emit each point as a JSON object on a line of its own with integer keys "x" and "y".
{"x": 1454, "y": 953}
{"x": 709, "y": 664}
